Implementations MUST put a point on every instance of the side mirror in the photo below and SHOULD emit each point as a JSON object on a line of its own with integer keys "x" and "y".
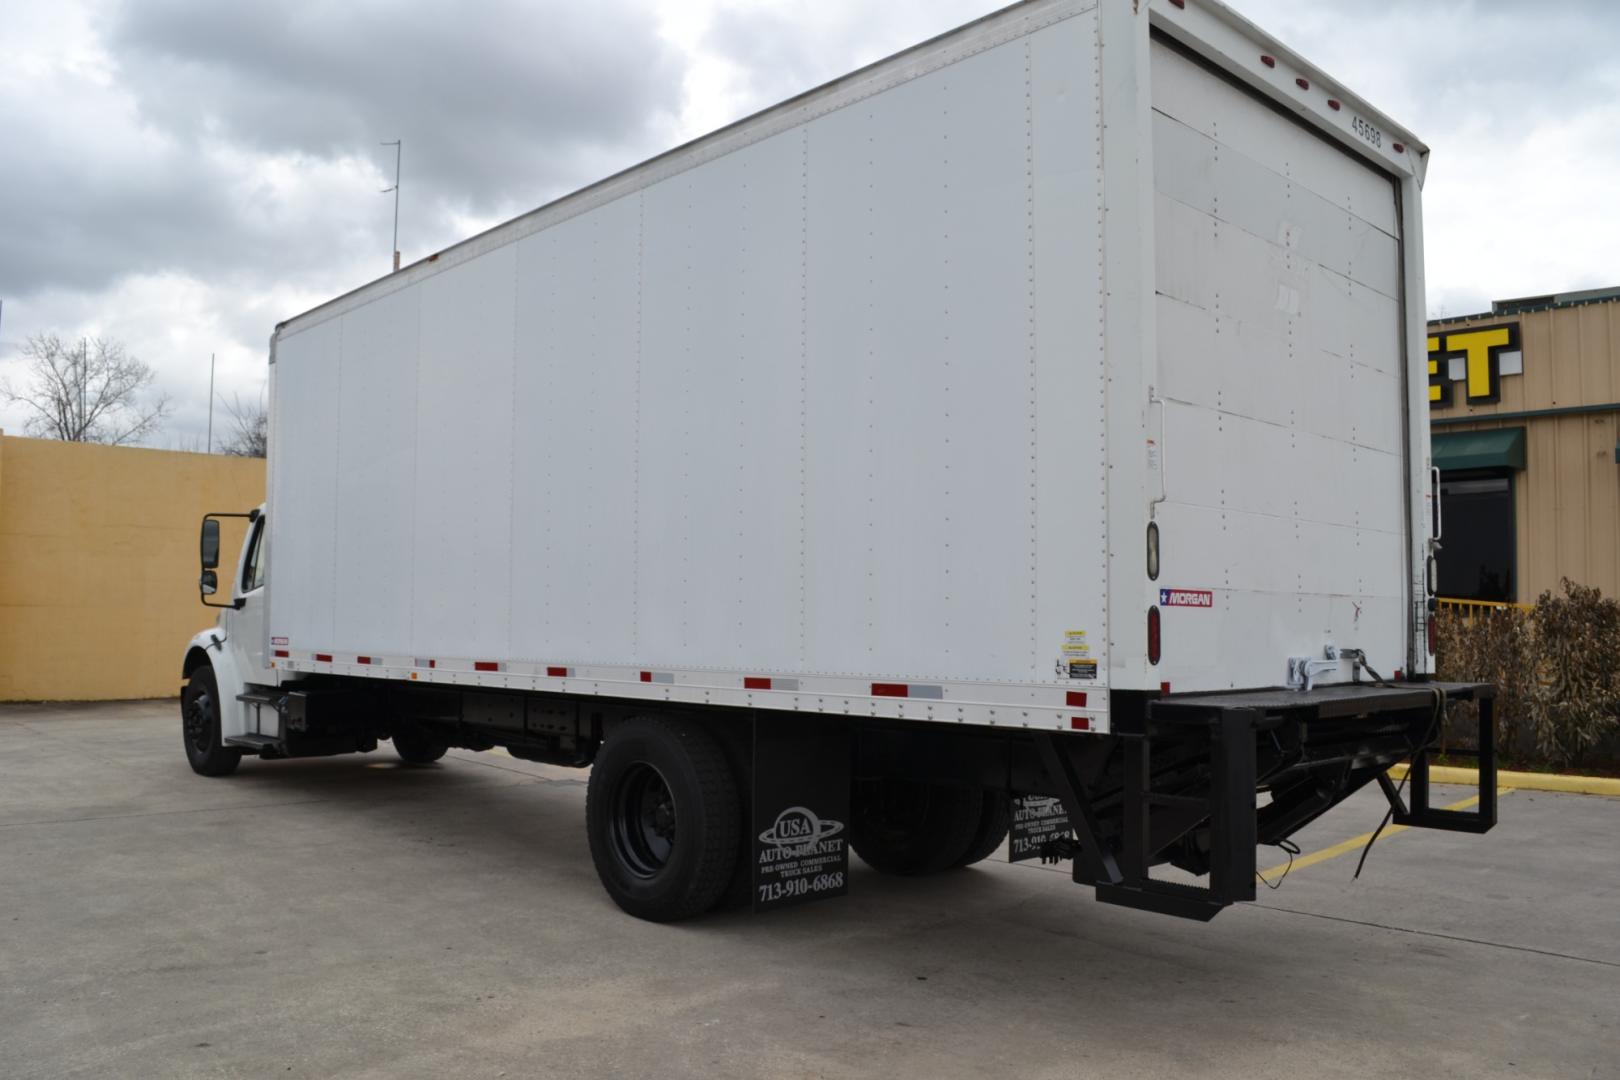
{"x": 208, "y": 583}
{"x": 210, "y": 545}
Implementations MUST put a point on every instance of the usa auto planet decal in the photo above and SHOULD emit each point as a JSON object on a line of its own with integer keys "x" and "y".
{"x": 1186, "y": 598}
{"x": 800, "y": 855}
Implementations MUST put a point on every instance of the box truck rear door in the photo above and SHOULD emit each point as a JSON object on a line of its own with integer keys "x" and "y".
{"x": 1280, "y": 361}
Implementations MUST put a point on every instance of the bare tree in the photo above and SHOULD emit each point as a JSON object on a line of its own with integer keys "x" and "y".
{"x": 91, "y": 391}
{"x": 250, "y": 428}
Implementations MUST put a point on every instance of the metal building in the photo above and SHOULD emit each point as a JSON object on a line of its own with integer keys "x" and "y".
{"x": 1525, "y": 412}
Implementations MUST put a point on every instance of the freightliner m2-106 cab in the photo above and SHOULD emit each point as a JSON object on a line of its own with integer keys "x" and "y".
{"x": 1024, "y": 433}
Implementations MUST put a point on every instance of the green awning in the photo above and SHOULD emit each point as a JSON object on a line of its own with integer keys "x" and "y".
{"x": 1502, "y": 448}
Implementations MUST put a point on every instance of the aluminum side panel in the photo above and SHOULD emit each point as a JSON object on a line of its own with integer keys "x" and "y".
{"x": 461, "y": 570}
{"x": 302, "y": 503}
{"x": 830, "y": 405}
{"x": 574, "y": 440}
{"x": 376, "y": 473}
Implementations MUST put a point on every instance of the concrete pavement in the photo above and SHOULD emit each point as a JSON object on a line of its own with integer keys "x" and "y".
{"x": 350, "y": 917}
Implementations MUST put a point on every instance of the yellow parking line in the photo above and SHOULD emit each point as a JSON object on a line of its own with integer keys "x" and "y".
{"x": 1356, "y": 843}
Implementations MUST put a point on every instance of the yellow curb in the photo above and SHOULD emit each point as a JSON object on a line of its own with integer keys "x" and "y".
{"x": 1525, "y": 781}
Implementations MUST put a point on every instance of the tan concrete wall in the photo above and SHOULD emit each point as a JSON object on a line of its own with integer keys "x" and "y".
{"x": 1567, "y": 499}
{"x": 98, "y": 564}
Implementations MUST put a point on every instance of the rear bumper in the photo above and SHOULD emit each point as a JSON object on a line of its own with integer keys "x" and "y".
{"x": 1206, "y": 778}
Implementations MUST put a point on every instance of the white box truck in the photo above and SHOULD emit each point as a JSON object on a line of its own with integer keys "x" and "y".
{"x": 1027, "y": 431}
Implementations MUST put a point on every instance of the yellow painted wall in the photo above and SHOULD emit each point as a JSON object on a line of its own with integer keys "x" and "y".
{"x": 98, "y": 564}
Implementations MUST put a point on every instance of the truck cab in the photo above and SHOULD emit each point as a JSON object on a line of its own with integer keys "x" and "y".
{"x": 223, "y": 663}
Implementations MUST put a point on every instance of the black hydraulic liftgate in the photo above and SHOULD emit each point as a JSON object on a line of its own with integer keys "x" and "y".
{"x": 1183, "y": 788}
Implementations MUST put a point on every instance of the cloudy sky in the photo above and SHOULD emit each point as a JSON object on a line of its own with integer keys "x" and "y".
{"x": 182, "y": 174}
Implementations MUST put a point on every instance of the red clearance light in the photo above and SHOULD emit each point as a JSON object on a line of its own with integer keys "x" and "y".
{"x": 1153, "y": 635}
{"x": 646, "y": 676}
{"x": 1164, "y": 688}
{"x": 486, "y": 665}
{"x": 557, "y": 672}
{"x": 1332, "y": 104}
{"x": 755, "y": 682}
{"x": 1178, "y": 3}
{"x": 1399, "y": 149}
{"x": 1302, "y": 84}
{"x": 362, "y": 659}
{"x": 1398, "y": 675}
{"x": 324, "y": 657}
{"x": 1269, "y": 61}
{"x": 890, "y": 689}
{"x": 1077, "y": 699}
{"x": 1080, "y": 723}
{"x": 281, "y": 652}
{"x": 1431, "y": 633}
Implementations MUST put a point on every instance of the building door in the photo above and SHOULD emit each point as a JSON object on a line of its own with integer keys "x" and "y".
{"x": 1477, "y": 553}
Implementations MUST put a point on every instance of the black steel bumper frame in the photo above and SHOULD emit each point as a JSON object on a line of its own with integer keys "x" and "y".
{"x": 1118, "y": 868}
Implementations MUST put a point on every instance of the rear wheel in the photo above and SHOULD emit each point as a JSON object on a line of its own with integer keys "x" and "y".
{"x": 911, "y": 827}
{"x": 199, "y": 722}
{"x": 994, "y": 823}
{"x": 662, "y": 815}
{"x": 416, "y": 747}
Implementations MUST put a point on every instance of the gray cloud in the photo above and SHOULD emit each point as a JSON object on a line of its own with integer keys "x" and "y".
{"x": 166, "y": 168}
{"x": 495, "y": 100}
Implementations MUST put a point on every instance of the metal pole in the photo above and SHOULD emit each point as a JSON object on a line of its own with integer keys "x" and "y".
{"x": 398, "y": 146}
{"x": 210, "y": 403}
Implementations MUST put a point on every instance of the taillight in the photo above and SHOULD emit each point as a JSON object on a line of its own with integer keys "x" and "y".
{"x": 1431, "y": 633}
{"x": 1153, "y": 635}
{"x": 1153, "y": 551}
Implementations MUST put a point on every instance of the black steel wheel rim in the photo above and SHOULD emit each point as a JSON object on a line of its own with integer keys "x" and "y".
{"x": 643, "y": 821}
{"x": 200, "y": 721}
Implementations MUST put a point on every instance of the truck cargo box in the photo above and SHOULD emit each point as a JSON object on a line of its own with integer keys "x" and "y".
{"x": 1076, "y": 351}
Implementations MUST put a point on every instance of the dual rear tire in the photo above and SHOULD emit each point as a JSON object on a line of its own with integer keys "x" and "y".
{"x": 914, "y": 827}
{"x": 664, "y": 818}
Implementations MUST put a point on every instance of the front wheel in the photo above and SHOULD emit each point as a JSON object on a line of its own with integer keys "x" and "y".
{"x": 663, "y": 818}
{"x": 199, "y": 720}
{"x": 415, "y": 747}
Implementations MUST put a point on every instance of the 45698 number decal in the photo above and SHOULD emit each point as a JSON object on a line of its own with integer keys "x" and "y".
{"x": 1367, "y": 131}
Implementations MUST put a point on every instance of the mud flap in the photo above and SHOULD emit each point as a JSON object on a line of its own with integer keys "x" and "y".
{"x": 800, "y": 809}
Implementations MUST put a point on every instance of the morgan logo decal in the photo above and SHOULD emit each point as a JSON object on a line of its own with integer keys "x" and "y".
{"x": 1186, "y": 598}
{"x": 278, "y": 641}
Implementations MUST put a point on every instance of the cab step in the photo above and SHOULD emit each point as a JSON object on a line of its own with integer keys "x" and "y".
{"x": 255, "y": 743}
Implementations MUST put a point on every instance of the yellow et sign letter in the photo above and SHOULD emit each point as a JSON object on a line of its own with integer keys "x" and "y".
{"x": 1477, "y": 358}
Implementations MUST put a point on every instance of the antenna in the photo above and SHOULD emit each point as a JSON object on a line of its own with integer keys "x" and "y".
{"x": 210, "y": 403}
{"x": 398, "y": 150}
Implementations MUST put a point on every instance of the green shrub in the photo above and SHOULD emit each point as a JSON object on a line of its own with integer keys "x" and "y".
{"x": 1576, "y": 704}
{"x": 1493, "y": 646}
{"x": 1556, "y": 668}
